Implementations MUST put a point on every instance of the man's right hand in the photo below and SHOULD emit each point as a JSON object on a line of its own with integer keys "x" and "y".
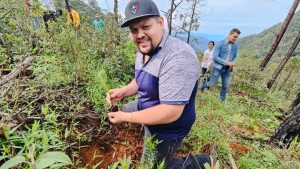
{"x": 114, "y": 95}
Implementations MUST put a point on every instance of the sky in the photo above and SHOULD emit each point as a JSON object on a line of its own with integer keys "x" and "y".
{"x": 250, "y": 16}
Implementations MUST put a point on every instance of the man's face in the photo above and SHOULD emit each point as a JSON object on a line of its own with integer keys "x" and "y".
{"x": 147, "y": 33}
{"x": 233, "y": 37}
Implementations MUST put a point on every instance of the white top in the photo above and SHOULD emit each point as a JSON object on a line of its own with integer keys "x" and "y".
{"x": 208, "y": 58}
{"x": 229, "y": 51}
{"x": 47, "y": 5}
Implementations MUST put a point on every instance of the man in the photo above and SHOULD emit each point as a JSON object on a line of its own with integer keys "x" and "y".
{"x": 166, "y": 74}
{"x": 225, "y": 55}
{"x": 98, "y": 24}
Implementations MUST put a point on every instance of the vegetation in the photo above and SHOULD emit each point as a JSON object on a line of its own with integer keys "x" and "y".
{"x": 55, "y": 107}
{"x": 39, "y": 109}
{"x": 259, "y": 44}
{"x": 243, "y": 124}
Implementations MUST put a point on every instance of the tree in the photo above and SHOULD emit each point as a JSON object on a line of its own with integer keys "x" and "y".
{"x": 284, "y": 61}
{"x": 279, "y": 35}
{"x": 69, "y": 9}
{"x": 116, "y": 10}
{"x": 169, "y": 14}
{"x": 290, "y": 127}
{"x": 190, "y": 19}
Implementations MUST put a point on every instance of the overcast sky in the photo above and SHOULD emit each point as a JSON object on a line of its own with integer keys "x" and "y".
{"x": 251, "y": 16}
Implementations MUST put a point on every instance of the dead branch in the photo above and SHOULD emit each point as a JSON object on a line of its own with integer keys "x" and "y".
{"x": 3, "y": 16}
{"x": 16, "y": 72}
{"x": 7, "y": 89}
{"x": 29, "y": 104}
{"x": 232, "y": 162}
{"x": 2, "y": 42}
{"x": 253, "y": 139}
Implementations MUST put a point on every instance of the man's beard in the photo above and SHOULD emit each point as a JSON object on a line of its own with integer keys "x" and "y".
{"x": 150, "y": 52}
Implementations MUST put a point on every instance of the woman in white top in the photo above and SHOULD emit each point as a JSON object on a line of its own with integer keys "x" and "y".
{"x": 207, "y": 60}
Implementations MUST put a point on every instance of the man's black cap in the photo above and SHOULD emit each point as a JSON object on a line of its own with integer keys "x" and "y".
{"x": 136, "y": 9}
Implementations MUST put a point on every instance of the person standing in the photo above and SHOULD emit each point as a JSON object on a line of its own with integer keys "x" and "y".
{"x": 166, "y": 81}
{"x": 98, "y": 24}
{"x": 225, "y": 56}
{"x": 207, "y": 59}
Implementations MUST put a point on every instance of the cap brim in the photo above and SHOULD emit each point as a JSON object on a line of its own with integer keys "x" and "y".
{"x": 128, "y": 22}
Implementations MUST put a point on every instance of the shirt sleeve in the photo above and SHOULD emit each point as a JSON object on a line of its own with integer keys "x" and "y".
{"x": 216, "y": 55}
{"x": 177, "y": 78}
{"x": 234, "y": 59}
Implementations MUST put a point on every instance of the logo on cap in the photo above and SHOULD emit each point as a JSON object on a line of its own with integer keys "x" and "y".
{"x": 134, "y": 8}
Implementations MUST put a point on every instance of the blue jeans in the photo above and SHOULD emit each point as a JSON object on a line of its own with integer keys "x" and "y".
{"x": 225, "y": 74}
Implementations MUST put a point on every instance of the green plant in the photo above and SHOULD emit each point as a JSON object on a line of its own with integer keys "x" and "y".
{"x": 49, "y": 159}
{"x": 34, "y": 146}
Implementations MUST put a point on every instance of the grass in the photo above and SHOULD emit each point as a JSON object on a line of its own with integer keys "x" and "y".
{"x": 241, "y": 125}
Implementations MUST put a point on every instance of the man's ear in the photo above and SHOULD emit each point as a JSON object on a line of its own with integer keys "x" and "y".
{"x": 161, "y": 21}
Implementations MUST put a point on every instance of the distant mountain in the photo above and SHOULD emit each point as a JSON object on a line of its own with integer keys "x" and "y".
{"x": 199, "y": 44}
{"x": 199, "y": 41}
{"x": 210, "y": 37}
{"x": 259, "y": 44}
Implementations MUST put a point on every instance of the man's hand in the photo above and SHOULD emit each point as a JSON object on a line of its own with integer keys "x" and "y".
{"x": 231, "y": 68}
{"x": 119, "y": 117}
{"x": 114, "y": 95}
{"x": 230, "y": 64}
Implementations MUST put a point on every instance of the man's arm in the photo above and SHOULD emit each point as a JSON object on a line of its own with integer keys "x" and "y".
{"x": 217, "y": 57}
{"x": 131, "y": 89}
{"x": 118, "y": 94}
{"x": 234, "y": 59}
{"x": 161, "y": 114}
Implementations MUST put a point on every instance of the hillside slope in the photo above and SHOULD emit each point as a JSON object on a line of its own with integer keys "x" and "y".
{"x": 259, "y": 44}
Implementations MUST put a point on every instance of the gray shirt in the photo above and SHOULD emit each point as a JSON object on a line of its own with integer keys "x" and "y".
{"x": 169, "y": 77}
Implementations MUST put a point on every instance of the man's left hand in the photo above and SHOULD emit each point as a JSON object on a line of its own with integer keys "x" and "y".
{"x": 231, "y": 68}
{"x": 119, "y": 117}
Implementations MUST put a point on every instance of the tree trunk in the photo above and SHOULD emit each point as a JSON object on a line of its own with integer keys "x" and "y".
{"x": 192, "y": 20}
{"x": 280, "y": 35}
{"x": 288, "y": 130}
{"x": 172, "y": 10}
{"x": 284, "y": 61}
{"x": 295, "y": 106}
{"x": 296, "y": 101}
{"x": 116, "y": 10}
{"x": 171, "y": 16}
{"x": 286, "y": 79}
{"x": 69, "y": 9}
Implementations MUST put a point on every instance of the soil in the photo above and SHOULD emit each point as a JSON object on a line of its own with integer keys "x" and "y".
{"x": 239, "y": 148}
{"x": 122, "y": 141}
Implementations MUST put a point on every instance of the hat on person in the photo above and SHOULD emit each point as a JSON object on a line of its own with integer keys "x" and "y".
{"x": 136, "y": 9}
